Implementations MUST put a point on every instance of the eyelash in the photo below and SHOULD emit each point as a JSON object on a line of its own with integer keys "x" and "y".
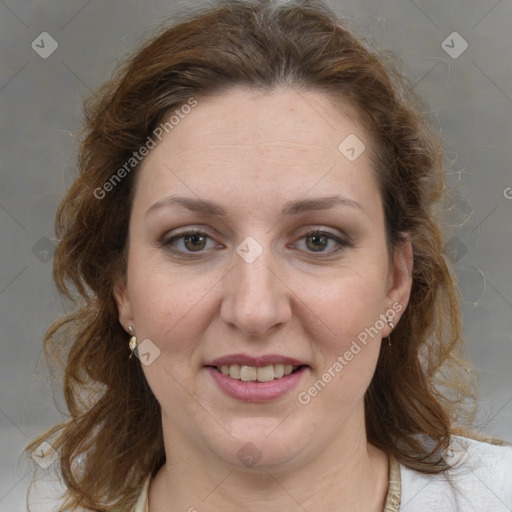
{"x": 167, "y": 243}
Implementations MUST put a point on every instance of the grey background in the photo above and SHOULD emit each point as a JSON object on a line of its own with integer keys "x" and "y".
{"x": 40, "y": 108}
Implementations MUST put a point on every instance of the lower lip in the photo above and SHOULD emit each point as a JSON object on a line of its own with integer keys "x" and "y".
{"x": 257, "y": 391}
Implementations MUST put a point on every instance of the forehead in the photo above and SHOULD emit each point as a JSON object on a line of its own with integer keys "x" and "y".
{"x": 250, "y": 140}
{"x": 307, "y": 119}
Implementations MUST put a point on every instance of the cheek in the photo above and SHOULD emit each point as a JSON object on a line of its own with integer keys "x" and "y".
{"x": 347, "y": 304}
{"x": 168, "y": 306}
{"x": 345, "y": 324}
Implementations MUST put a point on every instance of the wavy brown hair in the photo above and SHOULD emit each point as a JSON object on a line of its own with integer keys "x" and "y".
{"x": 112, "y": 438}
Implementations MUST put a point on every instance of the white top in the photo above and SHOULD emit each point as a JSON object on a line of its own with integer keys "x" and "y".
{"x": 480, "y": 480}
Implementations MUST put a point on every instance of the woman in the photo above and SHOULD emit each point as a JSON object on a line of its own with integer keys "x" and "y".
{"x": 255, "y": 219}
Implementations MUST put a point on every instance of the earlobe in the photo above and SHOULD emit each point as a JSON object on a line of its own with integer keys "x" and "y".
{"x": 124, "y": 309}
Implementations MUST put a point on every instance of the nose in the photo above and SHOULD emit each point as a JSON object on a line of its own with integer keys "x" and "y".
{"x": 256, "y": 300}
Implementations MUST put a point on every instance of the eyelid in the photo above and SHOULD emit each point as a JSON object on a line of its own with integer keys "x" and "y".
{"x": 342, "y": 240}
{"x": 165, "y": 241}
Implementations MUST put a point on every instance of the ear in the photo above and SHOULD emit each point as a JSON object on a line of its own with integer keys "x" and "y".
{"x": 400, "y": 277}
{"x": 122, "y": 299}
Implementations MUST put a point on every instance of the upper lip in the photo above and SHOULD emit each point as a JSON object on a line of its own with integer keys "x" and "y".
{"x": 247, "y": 360}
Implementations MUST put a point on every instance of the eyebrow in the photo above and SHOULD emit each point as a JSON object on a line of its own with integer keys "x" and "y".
{"x": 290, "y": 208}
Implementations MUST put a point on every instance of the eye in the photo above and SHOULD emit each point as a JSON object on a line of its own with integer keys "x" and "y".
{"x": 191, "y": 241}
{"x": 323, "y": 242}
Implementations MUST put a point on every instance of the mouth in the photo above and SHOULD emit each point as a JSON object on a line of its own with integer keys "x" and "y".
{"x": 262, "y": 378}
{"x": 257, "y": 383}
{"x": 266, "y": 373}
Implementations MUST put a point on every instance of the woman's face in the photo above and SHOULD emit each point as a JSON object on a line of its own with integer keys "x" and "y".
{"x": 257, "y": 247}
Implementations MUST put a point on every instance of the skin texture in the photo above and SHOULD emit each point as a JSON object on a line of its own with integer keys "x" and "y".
{"x": 252, "y": 152}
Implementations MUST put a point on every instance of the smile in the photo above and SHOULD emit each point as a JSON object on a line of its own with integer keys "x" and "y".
{"x": 266, "y": 373}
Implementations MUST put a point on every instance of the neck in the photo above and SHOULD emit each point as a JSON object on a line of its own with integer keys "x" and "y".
{"x": 347, "y": 475}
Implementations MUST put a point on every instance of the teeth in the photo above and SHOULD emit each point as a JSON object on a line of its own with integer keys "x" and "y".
{"x": 265, "y": 373}
{"x": 278, "y": 370}
{"x": 248, "y": 373}
{"x": 257, "y": 373}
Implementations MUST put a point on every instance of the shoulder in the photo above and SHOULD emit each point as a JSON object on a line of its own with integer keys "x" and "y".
{"x": 142, "y": 502}
{"x": 480, "y": 479}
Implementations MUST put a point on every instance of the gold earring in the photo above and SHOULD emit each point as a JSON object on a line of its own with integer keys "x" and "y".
{"x": 133, "y": 341}
{"x": 391, "y": 325}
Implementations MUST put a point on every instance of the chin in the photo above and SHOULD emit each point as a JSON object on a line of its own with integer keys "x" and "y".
{"x": 259, "y": 444}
